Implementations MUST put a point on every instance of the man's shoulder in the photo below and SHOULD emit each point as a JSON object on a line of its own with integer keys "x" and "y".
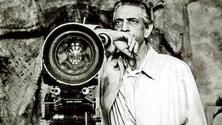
{"x": 157, "y": 64}
{"x": 169, "y": 60}
{"x": 159, "y": 59}
{"x": 171, "y": 66}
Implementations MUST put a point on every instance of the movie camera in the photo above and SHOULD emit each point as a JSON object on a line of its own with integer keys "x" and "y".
{"x": 73, "y": 54}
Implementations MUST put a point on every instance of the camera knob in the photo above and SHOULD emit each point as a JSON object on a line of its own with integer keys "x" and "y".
{"x": 106, "y": 39}
{"x": 85, "y": 90}
{"x": 56, "y": 90}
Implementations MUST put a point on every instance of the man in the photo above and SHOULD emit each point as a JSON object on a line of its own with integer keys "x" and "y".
{"x": 140, "y": 86}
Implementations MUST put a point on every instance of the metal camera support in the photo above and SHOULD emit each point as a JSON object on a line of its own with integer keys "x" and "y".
{"x": 73, "y": 54}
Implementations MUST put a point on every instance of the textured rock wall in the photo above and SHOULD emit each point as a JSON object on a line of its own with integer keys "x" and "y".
{"x": 206, "y": 42}
{"x": 19, "y": 82}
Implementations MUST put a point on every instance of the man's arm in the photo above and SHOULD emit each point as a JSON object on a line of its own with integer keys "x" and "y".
{"x": 121, "y": 41}
{"x": 194, "y": 111}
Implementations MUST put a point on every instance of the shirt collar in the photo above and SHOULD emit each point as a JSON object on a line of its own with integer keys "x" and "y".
{"x": 150, "y": 65}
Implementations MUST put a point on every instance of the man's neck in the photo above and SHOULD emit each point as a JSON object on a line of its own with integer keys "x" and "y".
{"x": 141, "y": 54}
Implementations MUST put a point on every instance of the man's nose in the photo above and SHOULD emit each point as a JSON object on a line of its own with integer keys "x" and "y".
{"x": 125, "y": 27}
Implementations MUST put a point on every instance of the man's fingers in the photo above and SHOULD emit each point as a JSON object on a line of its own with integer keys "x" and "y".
{"x": 110, "y": 58}
{"x": 128, "y": 38}
{"x": 111, "y": 62}
{"x": 133, "y": 43}
{"x": 123, "y": 41}
{"x": 117, "y": 35}
{"x": 123, "y": 47}
{"x": 136, "y": 48}
{"x": 127, "y": 52}
{"x": 120, "y": 44}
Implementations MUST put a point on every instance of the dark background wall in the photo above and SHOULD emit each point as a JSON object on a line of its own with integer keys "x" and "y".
{"x": 189, "y": 30}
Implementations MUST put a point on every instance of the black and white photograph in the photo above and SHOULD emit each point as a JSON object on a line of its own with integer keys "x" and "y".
{"x": 110, "y": 62}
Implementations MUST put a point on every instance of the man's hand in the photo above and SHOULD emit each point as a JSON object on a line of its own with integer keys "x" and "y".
{"x": 123, "y": 41}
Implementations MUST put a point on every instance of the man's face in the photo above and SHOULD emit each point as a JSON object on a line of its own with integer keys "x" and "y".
{"x": 129, "y": 19}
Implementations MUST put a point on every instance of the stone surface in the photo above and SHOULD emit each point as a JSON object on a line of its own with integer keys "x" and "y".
{"x": 19, "y": 83}
{"x": 173, "y": 22}
{"x": 206, "y": 43}
{"x": 18, "y": 16}
{"x": 214, "y": 115}
{"x": 218, "y": 119}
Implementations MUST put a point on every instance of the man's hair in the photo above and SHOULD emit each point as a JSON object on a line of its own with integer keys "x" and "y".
{"x": 146, "y": 14}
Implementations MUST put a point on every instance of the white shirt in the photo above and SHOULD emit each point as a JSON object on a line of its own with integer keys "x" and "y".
{"x": 164, "y": 93}
{"x": 123, "y": 109}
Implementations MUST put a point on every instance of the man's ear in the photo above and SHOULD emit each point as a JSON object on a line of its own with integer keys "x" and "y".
{"x": 148, "y": 30}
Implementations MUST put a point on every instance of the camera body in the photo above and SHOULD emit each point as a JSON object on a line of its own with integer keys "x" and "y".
{"x": 73, "y": 54}
{"x": 65, "y": 105}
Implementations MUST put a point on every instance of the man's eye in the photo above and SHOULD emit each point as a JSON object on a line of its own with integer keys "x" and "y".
{"x": 133, "y": 21}
{"x": 118, "y": 22}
